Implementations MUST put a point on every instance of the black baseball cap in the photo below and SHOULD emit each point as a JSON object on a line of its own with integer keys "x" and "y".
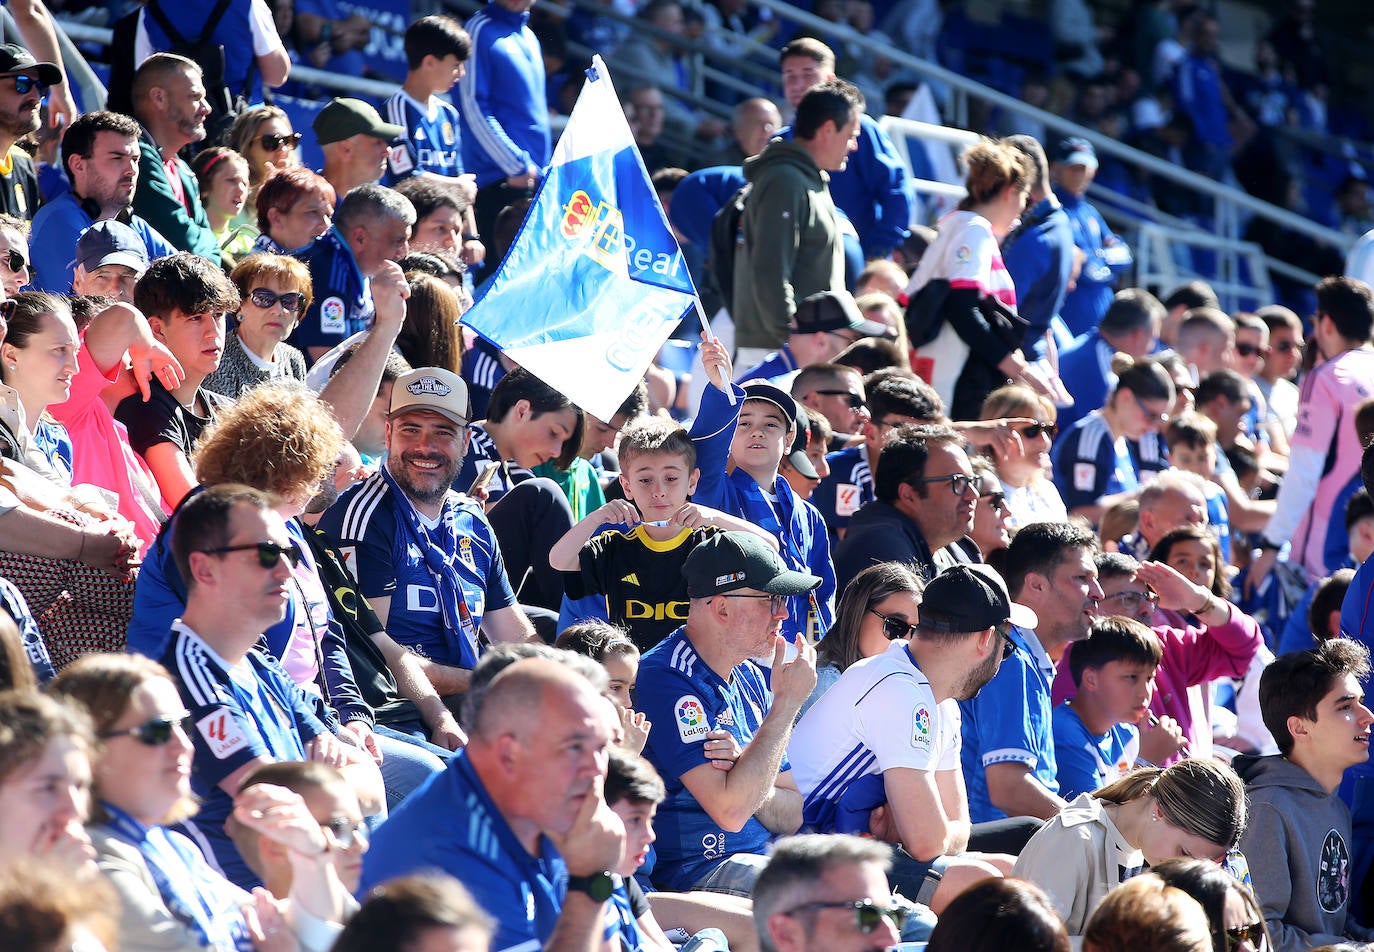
{"x": 834, "y": 311}
{"x": 797, "y": 454}
{"x": 966, "y": 598}
{"x": 728, "y": 561}
{"x": 780, "y": 398}
{"x": 16, "y": 59}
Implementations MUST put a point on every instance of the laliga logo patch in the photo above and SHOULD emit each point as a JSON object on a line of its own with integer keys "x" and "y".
{"x": 727, "y": 579}
{"x": 430, "y": 386}
{"x": 963, "y": 253}
{"x": 691, "y": 719}
{"x": 332, "y": 315}
{"x": 920, "y": 728}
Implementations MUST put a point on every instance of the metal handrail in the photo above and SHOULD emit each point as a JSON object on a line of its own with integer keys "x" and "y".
{"x": 1223, "y": 195}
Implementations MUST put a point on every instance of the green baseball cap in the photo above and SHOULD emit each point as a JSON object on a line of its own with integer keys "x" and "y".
{"x": 728, "y": 561}
{"x": 344, "y": 118}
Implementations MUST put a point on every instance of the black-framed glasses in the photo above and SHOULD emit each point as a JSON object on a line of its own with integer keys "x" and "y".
{"x": 896, "y": 629}
{"x": 269, "y": 553}
{"x": 1288, "y": 346}
{"x": 346, "y": 832}
{"x": 1251, "y": 350}
{"x": 14, "y": 261}
{"x": 1008, "y": 646}
{"x": 776, "y": 603}
{"x": 1133, "y": 601}
{"x": 1032, "y": 430}
{"x": 853, "y": 399}
{"x": 23, "y": 83}
{"x": 959, "y": 483}
{"x": 291, "y": 301}
{"x": 1237, "y": 935}
{"x": 997, "y": 500}
{"x": 272, "y": 141}
{"x": 157, "y": 732}
{"x": 868, "y": 915}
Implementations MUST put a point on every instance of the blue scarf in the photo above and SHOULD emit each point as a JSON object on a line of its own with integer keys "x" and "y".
{"x": 439, "y": 549}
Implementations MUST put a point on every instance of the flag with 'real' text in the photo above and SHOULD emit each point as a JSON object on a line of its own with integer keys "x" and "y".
{"x": 594, "y": 282}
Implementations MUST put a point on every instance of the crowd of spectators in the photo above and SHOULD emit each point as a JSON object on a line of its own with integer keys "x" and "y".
{"x": 957, "y": 591}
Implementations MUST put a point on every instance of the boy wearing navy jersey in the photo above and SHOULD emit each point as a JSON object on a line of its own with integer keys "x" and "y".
{"x": 1095, "y": 738}
{"x": 626, "y": 558}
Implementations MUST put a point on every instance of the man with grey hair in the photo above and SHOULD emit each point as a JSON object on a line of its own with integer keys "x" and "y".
{"x": 1171, "y": 500}
{"x": 536, "y": 839}
{"x": 353, "y": 265}
{"x": 826, "y": 892}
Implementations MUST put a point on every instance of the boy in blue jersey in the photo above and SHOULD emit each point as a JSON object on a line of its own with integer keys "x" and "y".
{"x": 752, "y": 427}
{"x": 437, "y": 49}
{"x": 1095, "y": 738}
{"x": 630, "y": 551}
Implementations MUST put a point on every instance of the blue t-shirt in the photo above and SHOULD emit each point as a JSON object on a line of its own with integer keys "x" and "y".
{"x": 1085, "y": 367}
{"x": 1088, "y": 761}
{"x": 847, "y": 489}
{"x": 239, "y": 713}
{"x": 451, "y": 824}
{"x": 366, "y": 526}
{"x": 1010, "y": 721}
{"x": 341, "y": 302}
{"x": 430, "y": 143}
{"x": 1089, "y": 463}
{"x": 684, "y": 699}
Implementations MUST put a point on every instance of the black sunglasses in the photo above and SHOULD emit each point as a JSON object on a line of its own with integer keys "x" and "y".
{"x": 14, "y": 261}
{"x": 271, "y": 141}
{"x": 997, "y": 501}
{"x": 291, "y": 301}
{"x": 1253, "y": 933}
{"x": 269, "y": 553}
{"x": 1031, "y": 431}
{"x": 1288, "y": 346}
{"x": 22, "y": 84}
{"x": 853, "y": 399}
{"x": 868, "y": 915}
{"x": 895, "y": 628}
{"x": 1250, "y": 350}
{"x": 1008, "y": 646}
{"x": 154, "y": 733}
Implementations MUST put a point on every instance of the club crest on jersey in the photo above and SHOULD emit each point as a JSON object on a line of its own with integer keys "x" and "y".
{"x": 690, "y": 716}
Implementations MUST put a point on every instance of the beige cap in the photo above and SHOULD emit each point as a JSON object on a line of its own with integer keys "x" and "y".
{"x": 431, "y": 388}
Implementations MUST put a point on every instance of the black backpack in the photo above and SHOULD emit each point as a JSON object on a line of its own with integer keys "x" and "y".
{"x": 726, "y": 236}
{"x": 225, "y": 105}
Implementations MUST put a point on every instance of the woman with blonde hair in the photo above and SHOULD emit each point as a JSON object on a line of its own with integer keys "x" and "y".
{"x": 1146, "y": 915}
{"x": 263, "y": 135}
{"x": 1023, "y": 463}
{"x": 274, "y": 292}
{"x": 965, "y": 333}
{"x": 1193, "y": 808}
{"x": 170, "y": 899}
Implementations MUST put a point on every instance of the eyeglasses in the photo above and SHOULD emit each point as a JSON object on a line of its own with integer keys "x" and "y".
{"x": 959, "y": 483}
{"x": 776, "y": 603}
{"x": 22, "y": 85}
{"x": 1250, "y": 350}
{"x": 346, "y": 832}
{"x": 271, "y": 142}
{"x": 269, "y": 553}
{"x": 1034, "y": 430}
{"x": 1237, "y": 935}
{"x": 853, "y": 399}
{"x": 13, "y": 260}
{"x": 1287, "y": 346}
{"x": 1154, "y": 416}
{"x": 157, "y": 732}
{"x": 291, "y": 301}
{"x": 1133, "y": 601}
{"x": 1008, "y": 646}
{"x": 896, "y": 629}
{"x": 868, "y": 915}
{"x": 997, "y": 501}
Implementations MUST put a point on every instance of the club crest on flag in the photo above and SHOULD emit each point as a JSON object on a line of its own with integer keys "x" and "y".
{"x": 594, "y": 281}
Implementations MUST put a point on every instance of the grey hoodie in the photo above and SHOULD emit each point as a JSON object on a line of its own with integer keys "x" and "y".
{"x": 1298, "y": 847}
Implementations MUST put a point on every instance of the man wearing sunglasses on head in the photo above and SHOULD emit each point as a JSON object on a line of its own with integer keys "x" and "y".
{"x": 236, "y": 556}
{"x": 879, "y": 752}
{"x": 926, "y": 492}
{"x": 23, "y": 83}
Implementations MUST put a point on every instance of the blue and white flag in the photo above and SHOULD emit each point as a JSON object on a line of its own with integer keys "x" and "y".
{"x": 594, "y": 282}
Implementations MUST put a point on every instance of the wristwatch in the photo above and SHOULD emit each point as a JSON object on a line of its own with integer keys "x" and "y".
{"x": 598, "y": 885}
